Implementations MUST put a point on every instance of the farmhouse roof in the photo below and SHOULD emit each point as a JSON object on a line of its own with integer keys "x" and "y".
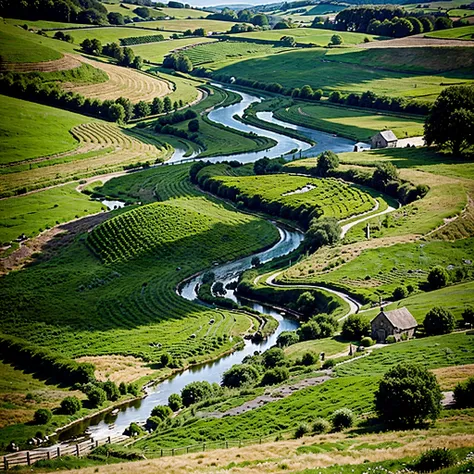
{"x": 400, "y": 318}
{"x": 389, "y": 136}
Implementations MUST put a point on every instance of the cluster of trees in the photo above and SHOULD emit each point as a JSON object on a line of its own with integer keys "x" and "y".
{"x": 242, "y": 28}
{"x": 179, "y": 62}
{"x": 450, "y": 124}
{"x": 244, "y": 16}
{"x": 69, "y": 11}
{"x": 124, "y": 56}
{"x": 196, "y": 32}
{"x": 387, "y": 20}
{"x": 99, "y": 392}
{"x": 32, "y": 88}
{"x": 59, "y": 35}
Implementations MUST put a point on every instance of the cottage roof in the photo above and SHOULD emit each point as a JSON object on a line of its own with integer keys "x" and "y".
{"x": 388, "y": 135}
{"x": 400, "y": 318}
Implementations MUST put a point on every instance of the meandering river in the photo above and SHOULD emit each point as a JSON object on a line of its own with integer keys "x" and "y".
{"x": 107, "y": 424}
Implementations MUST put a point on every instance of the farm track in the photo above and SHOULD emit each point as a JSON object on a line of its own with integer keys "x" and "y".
{"x": 123, "y": 82}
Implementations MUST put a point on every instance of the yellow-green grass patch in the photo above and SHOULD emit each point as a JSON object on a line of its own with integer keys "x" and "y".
{"x": 463, "y": 33}
{"x": 183, "y": 25}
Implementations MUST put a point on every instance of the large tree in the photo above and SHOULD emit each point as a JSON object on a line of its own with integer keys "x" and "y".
{"x": 407, "y": 395}
{"x": 451, "y": 122}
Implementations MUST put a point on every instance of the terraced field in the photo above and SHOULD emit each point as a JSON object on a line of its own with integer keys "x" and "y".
{"x": 123, "y": 82}
{"x": 181, "y": 25}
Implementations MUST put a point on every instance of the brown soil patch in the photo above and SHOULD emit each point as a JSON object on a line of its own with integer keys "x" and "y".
{"x": 449, "y": 377}
{"x": 68, "y": 61}
{"x": 123, "y": 82}
{"x": 117, "y": 368}
{"x": 416, "y": 41}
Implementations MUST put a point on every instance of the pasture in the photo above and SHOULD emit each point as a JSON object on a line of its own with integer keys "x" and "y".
{"x": 358, "y": 124}
{"x": 180, "y": 26}
{"x": 126, "y": 9}
{"x": 462, "y": 33}
{"x": 310, "y": 66}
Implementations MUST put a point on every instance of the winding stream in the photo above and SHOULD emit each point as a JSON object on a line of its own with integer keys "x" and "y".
{"x": 103, "y": 425}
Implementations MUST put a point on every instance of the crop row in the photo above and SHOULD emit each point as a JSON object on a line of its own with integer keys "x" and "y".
{"x": 132, "y": 40}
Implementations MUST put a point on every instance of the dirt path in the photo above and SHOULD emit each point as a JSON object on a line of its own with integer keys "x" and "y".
{"x": 416, "y": 41}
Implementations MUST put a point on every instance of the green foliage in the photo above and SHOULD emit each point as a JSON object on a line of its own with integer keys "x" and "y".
{"x": 193, "y": 126}
{"x": 336, "y": 40}
{"x": 342, "y": 419}
{"x": 287, "y": 338}
{"x": 384, "y": 174}
{"x": 302, "y": 430}
{"x": 329, "y": 364}
{"x": 321, "y": 426}
{"x": 239, "y": 376}
{"x": 468, "y": 315}
{"x": 133, "y": 40}
{"x": 123, "y": 388}
{"x": 273, "y": 357}
{"x": 42, "y": 416}
{"x": 275, "y": 376}
{"x": 70, "y": 405}
{"x": 308, "y": 331}
{"x": 96, "y": 396}
{"x": 438, "y": 321}
{"x": 309, "y": 358}
{"x": 435, "y": 459}
{"x": 464, "y": 393}
{"x": 175, "y": 402}
{"x": 166, "y": 359}
{"x": 162, "y": 412}
{"x": 355, "y": 328}
{"x": 195, "y": 392}
{"x": 327, "y": 161}
{"x": 438, "y": 277}
{"x": 399, "y": 293}
{"x": 111, "y": 390}
{"x": 134, "y": 429}
{"x": 390, "y": 340}
{"x": 367, "y": 342}
{"x": 407, "y": 395}
{"x": 323, "y": 231}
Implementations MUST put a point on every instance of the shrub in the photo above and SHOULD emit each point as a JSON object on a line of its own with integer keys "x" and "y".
{"x": 390, "y": 340}
{"x": 162, "y": 412}
{"x": 153, "y": 422}
{"x": 239, "y": 375}
{"x": 272, "y": 357}
{"x": 96, "y": 396}
{"x": 467, "y": 315}
{"x": 123, "y": 388}
{"x": 309, "y": 331}
{"x": 399, "y": 293}
{"x": 193, "y": 126}
{"x": 438, "y": 277}
{"x": 195, "y": 392}
{"x": 287, "y": 338}
{"x": 342, "y": 418}
{"x": 327, "y": 161}
{"x": 329, "y": 364}
{"x": 367, "y": 341}
{"x": 464, "y": 393}
{"x": 42, "y": 416}
{"x": 134, "y": 430}
{"x": 275, "y": 376}
{"x": 434, "y": 460}
{"x": 165, "y": 359}
{"x": 324, "y": 231}
{"x": 320, "y": 426}
{"x": 302, "y": 429}
{"x": 407, "y": 395}
{"x": 309, "y": 358}
{"x": 133, "y": 389}
{"x": 175, "y": 402}
{"x": 111, "y": 390}
{"x": 355, "y": 328}
{"x": 70, "y": 405}
{"x": 438, "y": 321}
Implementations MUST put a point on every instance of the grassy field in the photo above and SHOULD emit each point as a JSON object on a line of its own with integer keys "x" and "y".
{"x": 214, "y": 55}
{"x": 23, "y": 140}
{"x": 39, "y": 211}
{"x": 463, "y": 33}
{"x": 182, "y": 25}
{"x": 126, "y": 9}
{"x": 358, "y": 124}
{"x": 156, "y": 12}
{"x": 308, "y": 35}
{"x": 16, "y": 47}
{"x": 126, "y": 308}
{"x": 108, "y": 34}
{"x": 155, "y": 52}
{"x": 43, "y": 24}
{"x": 310, "y": 66}
{"x": 330, "y": 347}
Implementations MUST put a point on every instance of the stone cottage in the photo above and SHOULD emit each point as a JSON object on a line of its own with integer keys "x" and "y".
{"x": 385, "y": 139}
{"x": 393, "y": 323}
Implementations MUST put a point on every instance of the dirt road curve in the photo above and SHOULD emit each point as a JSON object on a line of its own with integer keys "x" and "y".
{"x": 417, "y": 41}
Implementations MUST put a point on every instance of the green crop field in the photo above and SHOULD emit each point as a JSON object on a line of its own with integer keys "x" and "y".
{"x": 180, "y": 26}
{"x": 460, "y": 12}
{"x": 155, "y": 52}
{"x": 108, "y": 34}
{"x": 358, "y": 124}
{"x": 332, "y": 197}
{"x": 129, "y": 307}
{"x": 309, "y": 66}
{"x": 308, "y": 35}
{"x": 35, "y": 212}
{"x": 324, "y": 9}
{"x": 463, "y": 33}
{"x": 16, "y": 47}
{"x": 23, "y": 140}
{"x": 215, "y": 55}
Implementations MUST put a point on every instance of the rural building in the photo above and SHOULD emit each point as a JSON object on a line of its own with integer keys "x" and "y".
{"x": 393, "y": 323}
{"x": 385, "y": 139}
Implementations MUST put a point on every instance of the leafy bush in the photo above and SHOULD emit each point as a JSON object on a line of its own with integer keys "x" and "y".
{"x": 162, "y": 412}
{"x": 320, "y": 426}
{"x": 309, "y": 331}
{"x": 467, "y": 315}
{"x": 302, "y": 430}
{"x": 273, "y": 357}
{"x": 434, "y": 460}
{"x": 390, "y": 340}
{"x": 399, "y": 293}
{"x": 96, "y": 396}
{"x": 287, "y": 338}
{"x": 343, "y": 418}
{"x": 327, "y": 161}
{"x": 70, "y": 405}
{"x": 464, "y": 393}
{"x": 123, "y": 388}
{"x": 329, "y": 364}
{"x": 42, "y": 416}
{"x": 438, "y": 321}
{"x": 437, "y": 277}
{"x": 165, "y": 359}
{"x": 238, "y": 376}
{"x": 175, "y": 402}
{"x": 111, "y": 390}
{"x": 355, "y": 328}
{"x": 324, "y": 231}
{"x": 134, "y": 430}
{"x": 309, "y": 358}
{"x": 367, "y": 341}
{"x": 407, "y": 395}
{"x": 275, "y": 376}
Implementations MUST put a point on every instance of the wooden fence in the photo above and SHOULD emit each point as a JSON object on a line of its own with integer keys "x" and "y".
{"x": 27, "y": 458}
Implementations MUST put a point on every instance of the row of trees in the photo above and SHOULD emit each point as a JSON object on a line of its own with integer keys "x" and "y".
{"x": 124, "y": 56}
{"x": 244, "y": 16}
{"x": 179, "y": 62}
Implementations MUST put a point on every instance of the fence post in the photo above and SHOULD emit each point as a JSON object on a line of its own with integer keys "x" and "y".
{"x": 226, "y": 444}
{"x": 77, "y": 450}
{"x": 172, "y": 452}
{"x": 48, "y": 455}
{"x": 28, "y": 460}
{"x": 240, "y": 443}
{"x": 109, "y": 440}
{"x": 59, "y": 451}
{"x": 5, "y": 463}
{"x": 161, "y": 453}
{"x": 203, "y": 446}
{"x": 96, "y": 443}
{"x": 187, "y": 449}
{"x": 260, "y": 441}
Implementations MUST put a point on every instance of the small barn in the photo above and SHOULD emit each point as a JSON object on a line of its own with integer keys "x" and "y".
{"x": 385, "y": 139}
{"x": 393, "y": 323}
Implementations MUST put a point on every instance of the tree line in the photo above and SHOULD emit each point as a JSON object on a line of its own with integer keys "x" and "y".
{"x": 243, "y": 16}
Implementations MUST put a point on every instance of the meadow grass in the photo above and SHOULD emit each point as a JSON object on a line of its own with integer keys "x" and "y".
{"x": 108, "y": 34}
{"x": 155, "y": 52}
{"x": 22, "y": 139}
{"x": 181, "y": 25}
{"x": 357, "y": 124}
{"x": 39, "y": 211}
{"x": 309, "y": 66}
{"x": 463, "y": 33}
{"x": 308, "y": 35}
{"x": 44, "y": 24}
{"x": 16, "y": 47}
{"x": 330, "y": 347}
